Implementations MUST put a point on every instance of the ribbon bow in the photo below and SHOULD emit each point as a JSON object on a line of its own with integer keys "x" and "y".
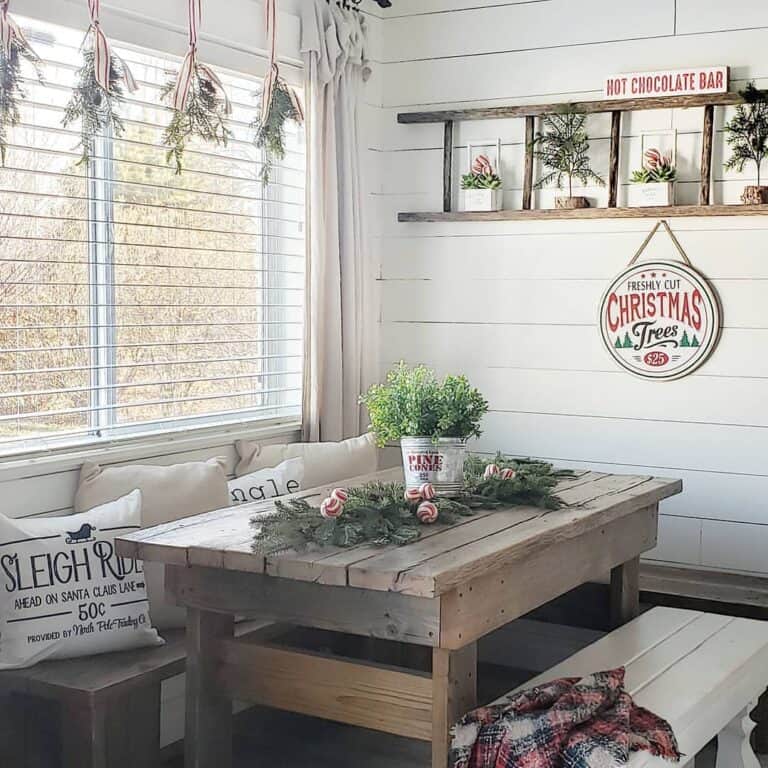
{"x": 190, "y": 65}
{"x": 102, "y": 52}
{"x": 10, "y": 31}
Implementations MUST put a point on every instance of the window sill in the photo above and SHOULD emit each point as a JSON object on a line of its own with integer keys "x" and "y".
{"x": 144, "y": 447}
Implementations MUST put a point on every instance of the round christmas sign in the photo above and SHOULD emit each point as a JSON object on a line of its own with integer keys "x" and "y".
{"x": 660, "y": 320}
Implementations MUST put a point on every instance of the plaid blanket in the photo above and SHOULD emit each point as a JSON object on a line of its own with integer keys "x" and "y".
{"x": 588, "y": 722}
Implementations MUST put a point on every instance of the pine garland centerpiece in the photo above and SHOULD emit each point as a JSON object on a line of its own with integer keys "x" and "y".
{"x": 382, "y": 514}
{"x": 14, "y": 50}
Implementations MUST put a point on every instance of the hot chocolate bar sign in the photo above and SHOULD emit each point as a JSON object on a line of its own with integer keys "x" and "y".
{"x": 668, "y": 82}
{"x": 660, "y": 319}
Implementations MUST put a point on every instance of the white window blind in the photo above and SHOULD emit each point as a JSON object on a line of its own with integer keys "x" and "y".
{"x": 133, "y": 299}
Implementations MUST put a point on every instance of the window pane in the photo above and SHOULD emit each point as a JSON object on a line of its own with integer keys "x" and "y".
{"x": 139, "y": 299}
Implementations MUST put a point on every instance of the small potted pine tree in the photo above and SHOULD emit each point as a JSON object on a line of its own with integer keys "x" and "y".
{"x": 563, "y": 148}
{"x": 654, "y": 183}
{"x": 432, "y": 420}
{"x": 482, "y": 186}
{"x": 747, "y": 135}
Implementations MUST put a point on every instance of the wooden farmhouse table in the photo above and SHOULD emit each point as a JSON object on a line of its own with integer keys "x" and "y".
{"x": 442, "y": 592}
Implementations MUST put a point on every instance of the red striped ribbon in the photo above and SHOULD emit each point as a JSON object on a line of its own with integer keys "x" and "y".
{"x": 10, "y": 31}
{"x": 103, "y": 53}
{"x": 190, "y": 64}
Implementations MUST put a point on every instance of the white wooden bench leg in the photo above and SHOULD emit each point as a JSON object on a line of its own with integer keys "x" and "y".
{"x": 733, "y": 747}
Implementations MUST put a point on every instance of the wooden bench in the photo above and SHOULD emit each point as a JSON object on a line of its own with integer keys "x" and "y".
{"x": 94, "y": 712}
{"x": 702, "y": 672}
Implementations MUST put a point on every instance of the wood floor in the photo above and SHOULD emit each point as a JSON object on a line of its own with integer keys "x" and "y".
{"x": 270, "y": 738}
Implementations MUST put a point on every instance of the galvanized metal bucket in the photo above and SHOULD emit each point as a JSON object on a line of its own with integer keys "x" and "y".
{"x": 438, "y": 462}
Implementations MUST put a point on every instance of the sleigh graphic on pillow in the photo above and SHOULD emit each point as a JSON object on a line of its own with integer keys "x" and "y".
{"x": 82, "y": 535}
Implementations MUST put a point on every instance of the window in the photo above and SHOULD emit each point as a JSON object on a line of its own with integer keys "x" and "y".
{"x": 132, "y": 299}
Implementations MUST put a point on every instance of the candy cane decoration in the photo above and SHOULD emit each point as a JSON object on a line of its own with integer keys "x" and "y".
{"x": 333, "y": 506}
{"x": 508, "y": 474}
{"x": 190, "y": 65}
{"x": 490, "y": 471}
{"x": 10, "y": 31}
{"x": 427, "y": 512}
{"x": 412, "y": 495}
{"x": 102, "y": 52}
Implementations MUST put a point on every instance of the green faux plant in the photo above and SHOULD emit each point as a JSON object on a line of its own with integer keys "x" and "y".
{"x": 204, "y": 116}
{"x": 12, "y": 90}
{"x": 657, "y": 169}
{"x": 563, "y": 148}
{"x": 415, "y": 403}
{"x": 270, "y": 134}
{"x": 93, "y": 106}
{"x": 747, "y": 131}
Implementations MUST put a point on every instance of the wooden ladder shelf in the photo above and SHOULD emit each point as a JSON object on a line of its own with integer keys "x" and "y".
{"x": 616, "y": 108}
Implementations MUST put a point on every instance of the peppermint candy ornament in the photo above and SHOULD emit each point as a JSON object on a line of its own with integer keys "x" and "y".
{"x": 427, "y": 491}
{"x": 427, "y": 512}
{"x": 490, "y": 471}
{"x": 331, "y": 508}
{"x": 412, "y": 495}
{"x": 340, "y": 494}
{"x": 508, "y": 474}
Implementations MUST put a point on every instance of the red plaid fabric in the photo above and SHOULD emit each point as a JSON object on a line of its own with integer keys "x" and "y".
{"x": 588, "y": 722}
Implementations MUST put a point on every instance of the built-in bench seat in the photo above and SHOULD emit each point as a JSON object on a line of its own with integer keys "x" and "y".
{"x": 95, "y": 712}
{"x": 700, "y": 671}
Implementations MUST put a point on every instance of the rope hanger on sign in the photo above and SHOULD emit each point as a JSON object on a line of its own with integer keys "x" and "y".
{"x": 660, "y": 223}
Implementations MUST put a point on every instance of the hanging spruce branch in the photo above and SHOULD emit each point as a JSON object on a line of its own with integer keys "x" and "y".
{"x": 378, "y": 513}
{"x": 563, "y": 148}
{"x": 12, "y": 57}
{"x": 270, "y": 132}
{"x": 95, "y": 107}
{"x": 747, "y": 132}
{"x": 203, "y": 115}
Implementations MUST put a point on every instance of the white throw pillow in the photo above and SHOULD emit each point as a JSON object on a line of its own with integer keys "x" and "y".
{"x": 168, "y": 493}
{"x": 63, "y": 590}
{"x": 268, "y": 483}
{"x": 324, "y": 463}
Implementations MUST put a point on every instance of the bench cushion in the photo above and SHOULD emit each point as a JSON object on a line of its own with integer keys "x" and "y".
{"x": 696, "y": 670}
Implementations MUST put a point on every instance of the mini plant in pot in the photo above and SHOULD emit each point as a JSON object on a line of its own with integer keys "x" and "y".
{"x": 482, "y": 187}
{"x": 654, "y": 183}
{"x": 563, "y": 148}
{"x": 432, "y": 419}
{"x": 747, "y": 135}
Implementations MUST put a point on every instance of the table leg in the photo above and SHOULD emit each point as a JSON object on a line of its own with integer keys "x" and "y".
{"x": 208, "y": 732}
{"x": 454, "y": 693}
{"x": 625, "y": 592}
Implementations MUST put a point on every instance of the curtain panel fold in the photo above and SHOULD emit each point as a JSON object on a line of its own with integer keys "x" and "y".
{"x": 337, "y": 343}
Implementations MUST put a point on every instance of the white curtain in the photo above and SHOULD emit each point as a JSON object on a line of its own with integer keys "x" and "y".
{"x": 336, "y": 363}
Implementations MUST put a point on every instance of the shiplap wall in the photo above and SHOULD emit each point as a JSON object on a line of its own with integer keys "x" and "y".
{"x": 514, "y": 304}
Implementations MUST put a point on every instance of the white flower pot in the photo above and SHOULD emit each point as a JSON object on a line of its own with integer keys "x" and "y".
{"x": 483, "y": 199}
{"x": 644, "y": 195}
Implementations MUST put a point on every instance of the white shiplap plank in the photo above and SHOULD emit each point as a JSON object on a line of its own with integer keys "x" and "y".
{"x": 661, "y": 445}
{"x": 508, "y": 76}
{"x": 735, "y": 546}
{"x": 553, "y": 302}
{"x": 520, "y": 27}
{"x": 696, "y": 16}
{"x": 679, "y": 541}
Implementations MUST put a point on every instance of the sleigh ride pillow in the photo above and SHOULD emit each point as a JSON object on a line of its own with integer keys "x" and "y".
{"x": 64, "y": 592}
{"x": 267, "y": 483}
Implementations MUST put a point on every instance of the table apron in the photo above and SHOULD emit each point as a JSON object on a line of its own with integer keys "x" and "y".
{"x": 384, "y": 615}
{"x": 492, "y": 600}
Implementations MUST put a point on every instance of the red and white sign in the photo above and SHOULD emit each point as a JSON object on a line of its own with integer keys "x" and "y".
{"x": 667, "y": 82}
{"x": 660, "y": 320}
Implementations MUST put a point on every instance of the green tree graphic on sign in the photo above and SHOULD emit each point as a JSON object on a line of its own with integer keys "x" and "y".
{"x": 695, "y": 342}
{"x": 618, "y": 344}
{"x": 685, "y": 341}
{"x": 627, "y": 341}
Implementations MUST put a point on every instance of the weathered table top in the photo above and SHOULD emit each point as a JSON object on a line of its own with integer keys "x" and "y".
{"x": 444, "y": 558}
